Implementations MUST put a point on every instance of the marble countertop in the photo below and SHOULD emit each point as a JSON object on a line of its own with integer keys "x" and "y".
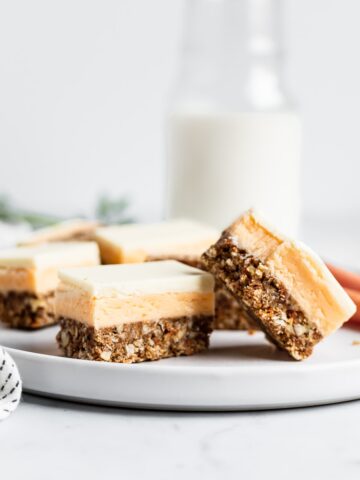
{"x": 48, "y": 439}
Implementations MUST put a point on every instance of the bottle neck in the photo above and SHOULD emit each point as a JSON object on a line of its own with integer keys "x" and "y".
{"x": 232, "y": 55}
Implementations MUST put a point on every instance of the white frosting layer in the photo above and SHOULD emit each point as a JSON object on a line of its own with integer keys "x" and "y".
{"x": 138, "y": 279}
{"x": 50, "y": 255}
{"x": 131, "y": 243}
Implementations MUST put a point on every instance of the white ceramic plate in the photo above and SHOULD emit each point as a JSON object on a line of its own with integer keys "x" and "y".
{"x": 239, "y": 372}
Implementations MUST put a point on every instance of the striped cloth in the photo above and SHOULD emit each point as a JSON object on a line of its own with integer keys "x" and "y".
{"x": 10, "y": 385}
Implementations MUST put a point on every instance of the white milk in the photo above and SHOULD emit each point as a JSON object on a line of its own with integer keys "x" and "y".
{"x": 219, "y": 165}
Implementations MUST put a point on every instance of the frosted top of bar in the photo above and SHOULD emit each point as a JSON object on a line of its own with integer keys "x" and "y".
{"x": 138, "y": 279}
{"x": 57, "y": 254}
{"x": 154, "y": 237}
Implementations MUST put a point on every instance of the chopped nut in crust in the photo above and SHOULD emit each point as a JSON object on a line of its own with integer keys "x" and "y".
{"x": 136, "y": 342}
{"x": 263, "y": 297}
{"x": 27, "y": 310}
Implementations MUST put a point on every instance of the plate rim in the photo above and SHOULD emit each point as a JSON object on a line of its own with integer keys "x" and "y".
{"x": 156, "y": 367}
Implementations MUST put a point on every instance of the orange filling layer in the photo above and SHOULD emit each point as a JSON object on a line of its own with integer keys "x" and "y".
{"x": 109, "y": 311}
{"x": 302, "y": 272}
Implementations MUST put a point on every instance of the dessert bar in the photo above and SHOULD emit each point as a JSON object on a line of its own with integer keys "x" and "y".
{"x": 28, "y": 278}
{"x": 281, "y": 284}
{"x": 182, "y": 240}
{"x": 134, "y": 312}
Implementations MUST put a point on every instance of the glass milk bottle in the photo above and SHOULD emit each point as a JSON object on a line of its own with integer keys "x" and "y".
{"x": 233, "y": 136}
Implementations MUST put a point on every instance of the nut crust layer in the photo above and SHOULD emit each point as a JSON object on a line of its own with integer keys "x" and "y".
{"x": 25, "y": 310}
{"x": 229, "y": 314}
{"x": 135, "y": 342}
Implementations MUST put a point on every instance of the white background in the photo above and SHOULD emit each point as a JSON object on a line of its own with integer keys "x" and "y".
{"x": 84, "y": 86}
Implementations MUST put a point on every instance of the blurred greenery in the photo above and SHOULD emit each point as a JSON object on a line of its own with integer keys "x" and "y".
{"x": 112, "y": 211}
{"x": 107, "y": 211}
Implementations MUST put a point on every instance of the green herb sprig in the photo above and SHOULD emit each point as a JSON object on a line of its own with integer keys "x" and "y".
{"x": 107, "y": 211}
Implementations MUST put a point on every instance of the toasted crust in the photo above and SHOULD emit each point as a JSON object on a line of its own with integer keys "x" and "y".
{"x": 263, "y": 297}
{"x": 26, "y": 310}
{"x": 135, "y": 342}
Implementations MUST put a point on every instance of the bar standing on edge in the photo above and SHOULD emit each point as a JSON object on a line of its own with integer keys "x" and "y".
{"x": 283, "y": 285}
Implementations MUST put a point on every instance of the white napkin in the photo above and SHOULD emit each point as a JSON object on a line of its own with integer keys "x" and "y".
{"x": 10, "y": 385}
{"x": 10, "y": 382}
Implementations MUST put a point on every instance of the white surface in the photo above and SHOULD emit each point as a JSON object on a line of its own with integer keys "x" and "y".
{"x": 11, "y": 234}
{"x": 222, "y": 163}
{"x": 50, "y": 439}
{"x": 240, "y": 371}
{"x": 139, "y": 278}
{"x": 85, "y": 108}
